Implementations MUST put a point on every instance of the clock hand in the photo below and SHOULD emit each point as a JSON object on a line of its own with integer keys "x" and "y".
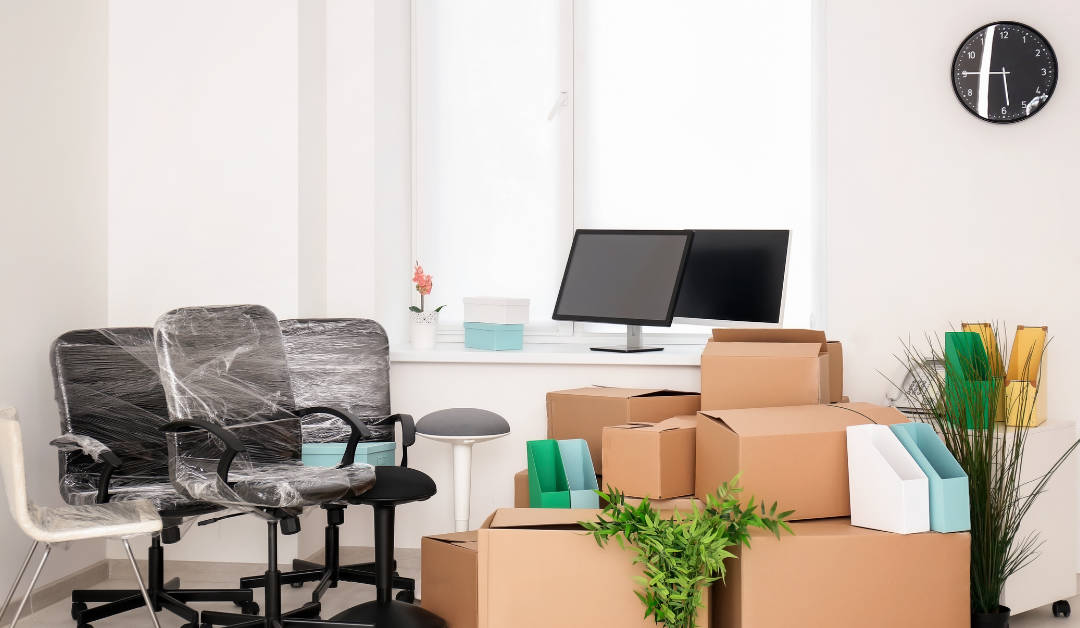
{"x": 1003, "y": 73}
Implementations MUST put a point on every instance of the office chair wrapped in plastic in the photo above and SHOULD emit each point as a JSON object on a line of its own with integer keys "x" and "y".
{"x": 235, "y": 434}
{"x": 112, "y": 451}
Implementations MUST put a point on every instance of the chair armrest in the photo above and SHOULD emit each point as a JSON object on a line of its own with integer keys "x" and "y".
{"x": 96, "y": 450}
{"x": 408, "y": 435}
{"x": 233, "y": 445}
{"x": 359, "y": 430}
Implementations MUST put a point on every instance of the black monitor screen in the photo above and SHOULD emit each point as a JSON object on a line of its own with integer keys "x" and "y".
{"x": 629, "y": 277}
{"x": 735, "y": 275}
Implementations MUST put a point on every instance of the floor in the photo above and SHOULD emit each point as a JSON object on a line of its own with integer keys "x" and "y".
{"x": 1044, "y": 618}
{"x": 192, "y": 576}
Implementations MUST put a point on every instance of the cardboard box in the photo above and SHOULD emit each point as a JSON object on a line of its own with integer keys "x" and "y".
{"x": 832, "y": 575}
{"x": 665, "y": 507}
{"x": 536, "y": 569}
{"x": 889, "y": 491}
{"x": 521, "y": 489}
{"x": 585, "y": 412}
{"x": 836, "y": 372}
{"x": 448, "y": 570}
{"x": 763, "y": 368}
{"x": 795, "y": 456}
{"x": 651, "y": 459}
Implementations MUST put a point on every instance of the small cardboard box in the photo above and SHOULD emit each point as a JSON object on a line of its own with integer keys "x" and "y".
{"x": 585, "y": 412}
{"x": 684, "y": 505}
{"x": 763, "y": 368}
{"x": 795, "y": 456}
{"x": 537, "y": 569}
{"x": 832, "y": 575}
{"x": 448, "y": 570}
{"x": 521, "y": 489}
{"x": 836, "y": 372}
{"x": 653, "y": 460}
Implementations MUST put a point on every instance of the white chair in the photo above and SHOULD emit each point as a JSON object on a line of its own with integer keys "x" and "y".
{"x": 67, "y": 523}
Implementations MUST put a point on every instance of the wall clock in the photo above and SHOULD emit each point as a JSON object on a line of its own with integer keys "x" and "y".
{"x": 1004, "y": 72}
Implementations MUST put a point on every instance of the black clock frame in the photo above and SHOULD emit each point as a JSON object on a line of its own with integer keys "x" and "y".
{"x": 960, "y": 48}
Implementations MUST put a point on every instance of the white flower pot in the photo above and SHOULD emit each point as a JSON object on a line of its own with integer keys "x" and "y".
{"x": 423, "y": 329}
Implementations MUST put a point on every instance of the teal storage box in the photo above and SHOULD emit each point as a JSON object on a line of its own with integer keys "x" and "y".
{"x": 949, "y": 506}
{"x": 494, "y": 337}
{"x": 329, "y": 454}
{"x": 580, "y": 476}
{"x": 547, "y": 478}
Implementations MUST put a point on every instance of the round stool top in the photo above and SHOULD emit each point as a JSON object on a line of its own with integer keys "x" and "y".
{"x": 462, "y": 422}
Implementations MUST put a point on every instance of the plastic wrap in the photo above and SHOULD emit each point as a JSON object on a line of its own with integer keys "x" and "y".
{"x": 341, "y": 363}
{"x": 110, "y": 398}
{"x": 66, "y": 523}
{"x": 226, "y": 365}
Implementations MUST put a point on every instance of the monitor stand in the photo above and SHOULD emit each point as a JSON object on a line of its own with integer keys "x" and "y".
{"x": 633, "y": 343}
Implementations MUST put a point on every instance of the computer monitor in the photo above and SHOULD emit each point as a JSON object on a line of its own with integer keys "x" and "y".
{"x": 623, "y": 277}
{"x": 735, "y": 277}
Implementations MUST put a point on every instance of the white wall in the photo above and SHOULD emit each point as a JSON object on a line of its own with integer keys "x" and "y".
{"x": 203, "y": 156}
{"x": 935, "y": 217}
{"x": 53, "y": 125}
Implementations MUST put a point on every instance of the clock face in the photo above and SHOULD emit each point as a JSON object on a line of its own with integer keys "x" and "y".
{"x": 1004, "y": 72}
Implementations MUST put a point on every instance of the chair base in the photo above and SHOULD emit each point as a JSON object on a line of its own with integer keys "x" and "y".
{"x": 392, "y": 614}
{"x": 164, "y": 596}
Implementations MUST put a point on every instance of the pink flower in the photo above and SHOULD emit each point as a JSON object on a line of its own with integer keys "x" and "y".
{"x": 418, "y": 274}
{"x": 422, "y": 281}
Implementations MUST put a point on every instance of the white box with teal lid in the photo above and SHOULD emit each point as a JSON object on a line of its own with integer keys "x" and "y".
{"x": 377, "y": 454}
{"x": 496, "y": 310}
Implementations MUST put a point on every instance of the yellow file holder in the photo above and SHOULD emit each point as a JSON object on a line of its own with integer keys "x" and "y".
{"x": 1025, "y": 383}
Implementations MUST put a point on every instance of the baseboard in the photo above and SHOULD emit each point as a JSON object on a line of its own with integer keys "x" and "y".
{"x": 58, "y": 590}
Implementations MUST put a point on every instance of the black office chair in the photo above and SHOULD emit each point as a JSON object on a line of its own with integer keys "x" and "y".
{"x": 225, "y": 374}
{"x": 341, "y": 363}
{"x": 111, "y": 408}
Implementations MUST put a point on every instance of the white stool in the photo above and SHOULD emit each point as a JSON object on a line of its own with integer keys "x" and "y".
{"x": 462, "y": 428}
{"x": 66, "y": 523}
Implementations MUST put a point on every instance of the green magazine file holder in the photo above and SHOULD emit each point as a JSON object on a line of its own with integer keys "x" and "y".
{"x": 548, "y": 487}
{"x": 580, "y": 475}
{"x": 949, "y": 509}
{"x": 968, "y": 374}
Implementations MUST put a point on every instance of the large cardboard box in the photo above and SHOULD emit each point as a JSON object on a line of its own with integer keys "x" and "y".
{"x": 585, "y": 412}
{"x": 795, "y": 456}
{"x": 762, "y": 368}
{"x": 832, "y": 575}
{"x": 533, "y": 568}
{"x": 651, "y": 459}
{"x": 448, "y": 571}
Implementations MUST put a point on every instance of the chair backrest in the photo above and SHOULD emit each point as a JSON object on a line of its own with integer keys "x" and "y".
{"x": 341, "y": 363}
{"x": 107, "y": 387}
{"x": 13, "y": 468}
{"x": 226, "y": 365}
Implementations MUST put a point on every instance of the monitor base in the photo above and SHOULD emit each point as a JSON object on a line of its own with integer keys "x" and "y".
{"x": 625, "y": 349}
{"x": 633, "y": 343}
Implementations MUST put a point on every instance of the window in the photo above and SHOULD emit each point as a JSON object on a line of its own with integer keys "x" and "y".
{"x": 695, "y": 114}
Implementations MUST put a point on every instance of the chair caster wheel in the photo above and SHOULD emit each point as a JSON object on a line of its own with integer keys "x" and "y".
{"x": 249, "y": 608}
{"x": 1062, "y": 609}
{"x": 78, "y": 607}
{"x": 296, "y": 585}
{"x": 405, "y": 596}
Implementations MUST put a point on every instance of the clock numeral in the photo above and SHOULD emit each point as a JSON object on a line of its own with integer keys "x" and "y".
{"x": 971, "y": 55}
{"x": 1004, "y": 34}
{"x": 1044, "y": 71}
{"x": 1037, "y": 91}
{"x": 1003, "y": 111}
{"x": 1023, "y": 103}
{"x": 969, "y": 92}
{"x": 1038, "y": 53}
{"x": 1025, "y": 39}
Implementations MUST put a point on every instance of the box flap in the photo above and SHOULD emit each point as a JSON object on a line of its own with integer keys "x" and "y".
{"x": 619, "y": 393}
{"x": 804, "y": 419}
{"x": 763, "y": 349}
{"x": 495, "y": 301}
{"x": 674, "y": 423}
{"x": 771, "y": 336}
{"x": 539, "y": 517}
{"x": 456, "y": 538}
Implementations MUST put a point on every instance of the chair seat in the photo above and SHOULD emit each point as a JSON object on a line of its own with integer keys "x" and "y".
{"x": 291, "y": 486}
{"x": 73, "y": 523}
{"x": 397, "y": 485}
{"x": 462, "y": 422}
{"x": 80, "y": 489}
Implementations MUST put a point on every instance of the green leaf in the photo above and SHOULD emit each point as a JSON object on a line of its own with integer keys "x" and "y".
{"x": 439, "y": 309}
{"x": 413, "y": 308}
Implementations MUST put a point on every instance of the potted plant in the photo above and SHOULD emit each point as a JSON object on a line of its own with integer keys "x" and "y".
{"x": 685, "y": 552}
{"x": 423, "y": 325}
{"x": 962, "y": 399}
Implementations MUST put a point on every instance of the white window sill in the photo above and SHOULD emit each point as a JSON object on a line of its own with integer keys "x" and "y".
{"x": 553, "y": 353}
